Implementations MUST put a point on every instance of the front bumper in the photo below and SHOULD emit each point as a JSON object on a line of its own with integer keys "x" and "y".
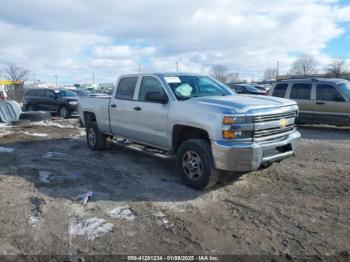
{"x": 249, "y": 156}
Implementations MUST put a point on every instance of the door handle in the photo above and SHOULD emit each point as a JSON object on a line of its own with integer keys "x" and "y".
{"x": 137, "y": 108}
{"x": 113, "y": 105}
{"x": 320, "y": 103}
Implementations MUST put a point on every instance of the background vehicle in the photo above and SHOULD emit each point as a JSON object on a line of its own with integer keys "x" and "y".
{"x": 248, "y": 89}
{"x": 195, "y": 118}
{"x": 321, "y": 100}
{"x": 61, "y": 101}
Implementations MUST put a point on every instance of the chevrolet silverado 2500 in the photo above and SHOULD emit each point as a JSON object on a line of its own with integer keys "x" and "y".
{"x": 195, "y": 118}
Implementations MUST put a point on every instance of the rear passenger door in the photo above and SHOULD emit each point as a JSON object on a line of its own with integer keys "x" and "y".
{"x": 330, "y": 105}
{"x": 122, "y": 108}
{"x": 302, "y": 94}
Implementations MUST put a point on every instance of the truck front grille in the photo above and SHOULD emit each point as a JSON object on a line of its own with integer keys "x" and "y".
{"x": 273, "y": 125}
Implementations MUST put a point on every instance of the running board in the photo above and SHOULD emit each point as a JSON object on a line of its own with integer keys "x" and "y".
{"x": 141, "y": 148}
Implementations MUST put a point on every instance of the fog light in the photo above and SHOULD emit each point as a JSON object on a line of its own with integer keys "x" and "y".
{"x": 229, "y": 134}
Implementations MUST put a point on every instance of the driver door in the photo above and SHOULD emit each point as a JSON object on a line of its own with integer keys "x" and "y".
{"x": 151, "y": 117}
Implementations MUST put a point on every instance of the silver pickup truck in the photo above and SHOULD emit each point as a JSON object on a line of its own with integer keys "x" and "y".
{"x": 195, "y": 118}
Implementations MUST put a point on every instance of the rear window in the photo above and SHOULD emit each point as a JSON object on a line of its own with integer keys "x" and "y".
{"x": 126, "y": 88}
{"x": 280, "y": 90}
{"x": 301, "y": 91}
{"x": 326, "y": 92}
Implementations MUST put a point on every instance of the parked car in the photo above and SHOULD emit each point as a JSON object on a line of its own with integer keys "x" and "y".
{"x": 61, "y": 101}
{"x": 248, "y": 89}
{"x": 264, "y": 88}
{"x": 321, "y": 100}
{"x": 82, "y": 92}
{"x": 195, "y": 118}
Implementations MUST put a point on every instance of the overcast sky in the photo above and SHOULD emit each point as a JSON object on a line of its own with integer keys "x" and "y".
{"x": 71, "y": 37}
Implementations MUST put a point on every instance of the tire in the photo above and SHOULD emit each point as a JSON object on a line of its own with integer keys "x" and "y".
{"x": 64, "y": 112}
{"x": 94, "y": 138}
{"x": 35, "y": 116}
{"x": 195, "y": 163}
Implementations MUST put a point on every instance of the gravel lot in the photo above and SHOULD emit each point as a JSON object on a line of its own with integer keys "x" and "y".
{"x": 298, "y": 207}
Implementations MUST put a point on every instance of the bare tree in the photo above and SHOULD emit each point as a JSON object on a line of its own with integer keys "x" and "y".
{"x": 220, "y": 72}
{"x": 336, "y": 67}
{"x": 304, "y": 65}
{"x": 270, "y": 73}
{"x": 16, "y": 72}
{"x": 232, "y": 77}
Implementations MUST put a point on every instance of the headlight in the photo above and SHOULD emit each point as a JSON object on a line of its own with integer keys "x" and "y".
{"x": 237, "y": 127}
{"x": 231, "y": 120}
{"x": 73, "y": 102}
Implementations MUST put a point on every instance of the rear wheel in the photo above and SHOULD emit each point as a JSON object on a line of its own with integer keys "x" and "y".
{"x": 195, "y": 163}
{"x": 94, "y": 138}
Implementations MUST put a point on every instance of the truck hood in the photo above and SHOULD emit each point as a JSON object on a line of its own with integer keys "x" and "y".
{"x": 243, "y": 103}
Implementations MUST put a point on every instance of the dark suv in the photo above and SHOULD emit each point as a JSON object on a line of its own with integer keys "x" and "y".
{"x": 61, "y": 101}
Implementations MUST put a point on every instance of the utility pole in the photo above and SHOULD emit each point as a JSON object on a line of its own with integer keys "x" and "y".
{"x": 93, "y": 76}
{"x": 139, "y": 68}
{"x": 278, "y": 65}
{"x": 177, "y": 66}
{"x": 56, "y": 76}
{"x": 34, "y": 80}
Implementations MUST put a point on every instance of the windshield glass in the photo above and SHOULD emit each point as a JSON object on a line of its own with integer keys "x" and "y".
{"x": 64, "y": 93}
{"x": 186, "y": 87}
{"x": 345, "y": 88}
{"x": 252, "y": 89}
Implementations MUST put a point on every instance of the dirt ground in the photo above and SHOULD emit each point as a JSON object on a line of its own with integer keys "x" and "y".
{"x": 298, "y": 207}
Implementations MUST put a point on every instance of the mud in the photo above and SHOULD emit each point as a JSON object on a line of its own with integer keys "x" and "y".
{"x": 298, "y": 207}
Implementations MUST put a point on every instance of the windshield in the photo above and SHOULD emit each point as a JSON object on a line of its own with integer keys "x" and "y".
{"x": 186, "y": 87}
{"x": 65, "y": 93}
{"x": 251, "y": 89}
{"x": 345, "y": 88}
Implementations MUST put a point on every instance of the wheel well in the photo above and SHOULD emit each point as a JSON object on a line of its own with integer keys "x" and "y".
{"x": 89, "y": 117}
{"x": 182, "y": 133}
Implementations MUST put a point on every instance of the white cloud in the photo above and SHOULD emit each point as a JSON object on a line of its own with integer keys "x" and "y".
{"x": 70, "y": 37}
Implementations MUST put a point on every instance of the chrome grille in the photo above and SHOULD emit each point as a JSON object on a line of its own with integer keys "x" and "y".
{"x": 274, "y": 117}
{"x": 269, "y": 125}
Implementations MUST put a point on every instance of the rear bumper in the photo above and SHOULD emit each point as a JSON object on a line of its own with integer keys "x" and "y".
{"x": 249, "y": 156}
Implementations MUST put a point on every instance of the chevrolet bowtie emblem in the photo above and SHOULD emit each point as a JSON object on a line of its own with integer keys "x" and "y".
{"x": 283, "y": 123}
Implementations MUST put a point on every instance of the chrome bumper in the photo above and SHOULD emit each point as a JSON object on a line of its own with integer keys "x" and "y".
{"x": 249, "y": 156}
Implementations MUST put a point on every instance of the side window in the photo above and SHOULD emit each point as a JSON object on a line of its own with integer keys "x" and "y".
{"x": 326, "y": 92}
{"x": 40, "y": 93}
{"x": 280, "y": 90}
{"x": 49, "y": 93}
{"x": 240, "y": 90}
{"x": 126, "y": 88}
{"x": 150, "y": 84}
{"x": 301, "y": 91}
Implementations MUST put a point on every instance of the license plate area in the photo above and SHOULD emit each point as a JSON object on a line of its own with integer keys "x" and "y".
{"x": 277, "y": 150}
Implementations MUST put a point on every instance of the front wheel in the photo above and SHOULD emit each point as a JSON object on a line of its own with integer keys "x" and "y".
{"x": 63, "y": 112}
{"x": 94, "y": 138}
{"x": 195, "y": 163}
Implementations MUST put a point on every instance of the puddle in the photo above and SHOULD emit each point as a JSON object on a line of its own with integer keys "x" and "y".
{"x": 53, "y": 155}
{"x": 44, "y": 176}
{"x": 6, "y": 150}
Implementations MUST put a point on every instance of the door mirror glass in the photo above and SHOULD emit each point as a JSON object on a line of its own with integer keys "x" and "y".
{"x": 156, "y": 97}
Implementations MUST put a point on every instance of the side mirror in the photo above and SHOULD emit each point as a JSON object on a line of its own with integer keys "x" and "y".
{"x": 156, "y": 97}
{"x": 53, "y": 96}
